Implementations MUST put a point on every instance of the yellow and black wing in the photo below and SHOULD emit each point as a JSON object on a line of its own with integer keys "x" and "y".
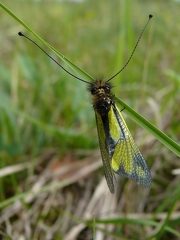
{"x": 127, "y": 159}
{"x": 119, "y": 151}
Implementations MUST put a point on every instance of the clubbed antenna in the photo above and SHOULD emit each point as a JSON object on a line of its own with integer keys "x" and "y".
{"x": 150, "y": 16}
{"x": 22, "y": 35}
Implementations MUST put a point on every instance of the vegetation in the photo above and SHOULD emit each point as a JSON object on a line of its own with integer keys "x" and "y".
{"x": 51, "y": 179}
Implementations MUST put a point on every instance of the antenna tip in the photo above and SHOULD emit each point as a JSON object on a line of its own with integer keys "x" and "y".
{"x": 150, "y": 16}
{"x": 20, "y": 34}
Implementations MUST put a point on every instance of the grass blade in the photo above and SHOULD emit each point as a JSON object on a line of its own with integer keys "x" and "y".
{"x": 163, "y": 138}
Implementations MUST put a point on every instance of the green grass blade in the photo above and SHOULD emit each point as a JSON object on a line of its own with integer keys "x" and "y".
{"x": 163, "y": 138}
{"x": 133, "y": 221}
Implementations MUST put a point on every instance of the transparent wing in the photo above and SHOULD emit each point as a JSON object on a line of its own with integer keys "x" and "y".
{"x": 104, "y": 153}
{"x": 127, "y": 160}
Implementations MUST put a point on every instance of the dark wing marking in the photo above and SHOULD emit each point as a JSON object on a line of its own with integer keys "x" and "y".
{"x": 104, "y": 152}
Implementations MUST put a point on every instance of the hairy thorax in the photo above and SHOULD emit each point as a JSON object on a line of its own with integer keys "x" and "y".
{"x": 101, "y": 96}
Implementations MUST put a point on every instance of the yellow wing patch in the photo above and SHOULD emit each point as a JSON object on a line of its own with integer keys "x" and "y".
{"x": 119, "y": 151}
{"x": 127, "y": 160}
{"x": 113, "y": 126}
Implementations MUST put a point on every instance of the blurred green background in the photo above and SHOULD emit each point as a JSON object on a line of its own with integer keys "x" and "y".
{"x": 43, "y": 108}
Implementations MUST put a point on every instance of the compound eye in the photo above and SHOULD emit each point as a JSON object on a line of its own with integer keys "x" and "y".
{"x": 93, "y": 90}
